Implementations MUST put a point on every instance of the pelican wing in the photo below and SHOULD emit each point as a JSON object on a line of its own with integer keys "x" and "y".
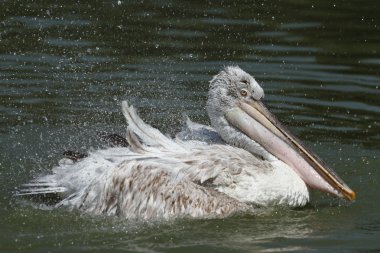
{"x": 148, "y": 189}
{"x": 157, "y": 177}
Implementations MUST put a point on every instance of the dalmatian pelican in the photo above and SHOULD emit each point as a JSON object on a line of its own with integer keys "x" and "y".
{"x": 252, "y": 161}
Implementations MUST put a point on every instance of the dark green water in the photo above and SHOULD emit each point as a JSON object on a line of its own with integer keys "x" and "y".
{"x": 66, "y": 67}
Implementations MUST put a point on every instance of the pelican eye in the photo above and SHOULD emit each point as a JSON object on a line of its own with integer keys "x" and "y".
{"x": 245, "y": 81}
{"x": 243, "y": 92}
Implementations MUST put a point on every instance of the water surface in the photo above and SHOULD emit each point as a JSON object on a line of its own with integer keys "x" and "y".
{"x": 66, "y": 67}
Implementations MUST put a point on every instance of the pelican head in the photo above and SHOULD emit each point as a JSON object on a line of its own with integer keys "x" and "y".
{"x": 236, "y": 111}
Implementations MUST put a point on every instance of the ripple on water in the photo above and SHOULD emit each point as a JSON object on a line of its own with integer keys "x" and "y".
{"x": 44, "y": 23}
{"x": 371, "y": 61}
{"x": 60, "y": 42}
{"x": 302, "y": 25}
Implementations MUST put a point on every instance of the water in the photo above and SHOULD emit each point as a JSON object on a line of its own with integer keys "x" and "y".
{"x": 65, "y": 68}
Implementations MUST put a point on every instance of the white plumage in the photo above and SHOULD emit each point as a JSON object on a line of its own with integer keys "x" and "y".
{"x": 196, "y": 174}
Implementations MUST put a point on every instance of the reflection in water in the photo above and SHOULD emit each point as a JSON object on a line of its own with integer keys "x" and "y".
{"x": 66, "y": 67}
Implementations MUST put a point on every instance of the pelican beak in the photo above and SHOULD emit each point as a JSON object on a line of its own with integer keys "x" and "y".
{"x": 254, "y": 119}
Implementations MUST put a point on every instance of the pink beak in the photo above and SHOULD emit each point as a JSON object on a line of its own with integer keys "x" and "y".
{"x": 256, "y": 121}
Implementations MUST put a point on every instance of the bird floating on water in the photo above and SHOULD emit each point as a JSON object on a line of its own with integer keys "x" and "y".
{"x": 246, "y": 159}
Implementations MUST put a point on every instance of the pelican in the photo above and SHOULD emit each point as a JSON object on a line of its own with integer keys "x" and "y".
{"x": 247, "y": 159}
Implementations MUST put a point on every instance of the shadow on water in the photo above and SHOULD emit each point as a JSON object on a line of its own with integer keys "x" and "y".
{"x": 65, "y": 68}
